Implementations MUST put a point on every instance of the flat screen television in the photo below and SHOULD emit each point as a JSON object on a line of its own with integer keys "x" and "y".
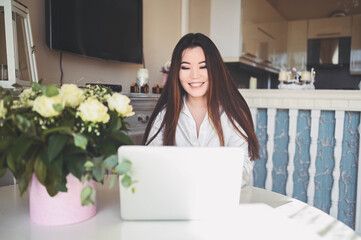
{"x": 106, "y": 29}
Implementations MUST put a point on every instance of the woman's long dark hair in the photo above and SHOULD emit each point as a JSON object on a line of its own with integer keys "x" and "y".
{"x": 221, "y": 92}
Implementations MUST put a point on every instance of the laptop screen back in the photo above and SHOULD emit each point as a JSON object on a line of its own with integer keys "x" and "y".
{"x": 181, "y": 183}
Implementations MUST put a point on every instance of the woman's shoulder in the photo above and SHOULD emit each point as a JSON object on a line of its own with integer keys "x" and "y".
{"x": 229, "y": 123}
{"x": 161, "y": 114}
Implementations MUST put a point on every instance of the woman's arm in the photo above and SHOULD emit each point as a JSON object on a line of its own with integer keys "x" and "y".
{"x": 234, "y": 139}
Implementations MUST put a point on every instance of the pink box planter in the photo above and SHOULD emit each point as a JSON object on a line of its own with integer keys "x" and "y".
{"x": 62, "y": 209}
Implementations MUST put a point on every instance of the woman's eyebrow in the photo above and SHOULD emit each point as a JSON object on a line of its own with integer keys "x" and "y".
{"x": 189, "y": 63}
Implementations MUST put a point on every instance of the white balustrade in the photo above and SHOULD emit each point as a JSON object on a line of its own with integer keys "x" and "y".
{"x": 358, "y": 194}
{"x": 315, "y": 119}
{"x": 340, "y": 118}
{"x": 254, "y": 112}
{"x": 271, "y": 118}
{"x": 292, "y": 131}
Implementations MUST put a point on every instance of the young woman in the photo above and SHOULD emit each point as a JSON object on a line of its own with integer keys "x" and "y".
{"x": 200, "y": 104}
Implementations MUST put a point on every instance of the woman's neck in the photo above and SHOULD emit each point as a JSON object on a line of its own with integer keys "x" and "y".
{"x": 196, "y": 103}
{"x": 198, "y": 108}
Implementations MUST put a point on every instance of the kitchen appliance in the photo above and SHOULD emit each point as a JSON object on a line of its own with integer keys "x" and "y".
{"x": 330, "y": 57}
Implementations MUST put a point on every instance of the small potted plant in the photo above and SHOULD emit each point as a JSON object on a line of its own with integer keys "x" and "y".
{"x": 51, "y": 137}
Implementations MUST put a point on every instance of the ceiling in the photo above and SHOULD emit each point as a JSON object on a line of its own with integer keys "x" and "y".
{"x": 308, "y": 9}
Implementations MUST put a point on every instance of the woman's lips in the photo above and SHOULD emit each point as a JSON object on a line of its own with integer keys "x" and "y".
{"x": 196, "y": 84}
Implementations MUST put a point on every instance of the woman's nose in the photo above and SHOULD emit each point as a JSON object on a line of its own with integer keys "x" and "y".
{"x": 194, "y": 73}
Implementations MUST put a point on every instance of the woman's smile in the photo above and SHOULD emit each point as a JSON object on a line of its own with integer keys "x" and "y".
{"x": 196, "y": 84}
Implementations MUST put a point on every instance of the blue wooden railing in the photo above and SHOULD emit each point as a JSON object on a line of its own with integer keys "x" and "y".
{"x": 337, "y": 133}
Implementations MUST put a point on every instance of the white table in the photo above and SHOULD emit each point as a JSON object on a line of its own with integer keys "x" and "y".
{"x": 263, "y": 215}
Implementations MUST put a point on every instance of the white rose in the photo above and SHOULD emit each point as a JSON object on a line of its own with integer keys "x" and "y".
{"x": 93, "y": 110}
{"x": 25, "y": 97}
{"x": 3, "y": 110}
{"x": 72, "y": 95}
{"x": 120, "y": 103}
{"x": 45, "y": 105}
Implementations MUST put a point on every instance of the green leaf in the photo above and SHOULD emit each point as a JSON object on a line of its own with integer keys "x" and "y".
{"x": 126, "y": 181}
{"x": 107, "y": 147}
{"x": 65, "y": 129}
{"x": 87, "y": 196}
{"x": 3, "y": 167}
{"x": 88, "y": 165}
{"x": 113, "y": 180}
{"x": 58, "y": 107}
{"x": 5, "y": 144}
{"x": 57, "y": 164}
{"x": 80, "y": 141}
{"x": 111, "y": 161}
{"x": 24, "y": 143}
{"x": 98, "y": 160}
{"x": 121, "y": 138}
{"x": 73, "y": 150}
{"x": 40, "y": 170}
{"x": 123, "y": 167}
{"x": 22, "y": 123}
{"x": 75, "y": 164}
{"x": 44, "y": 157}
{"x": 2, "y": 160}
{"x": 35, "y": 86}
{"x": 56, "y": 143}
{"x": 23, "y": 184}
{"x": 115, "y": 122}
{"x": 61, "y": 186}
{"x": 98, "y": 172}
{"x": 10, "y": 162}
{"x": 51, "y": 182}
{"x": 8, "y": 100}
{"x": 51, "y": 91}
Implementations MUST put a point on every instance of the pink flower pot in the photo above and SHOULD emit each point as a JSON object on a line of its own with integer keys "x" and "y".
{"x": 64, "y": 208}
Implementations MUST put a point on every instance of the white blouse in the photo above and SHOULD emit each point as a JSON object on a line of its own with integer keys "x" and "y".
{"x": 186, "y": 135}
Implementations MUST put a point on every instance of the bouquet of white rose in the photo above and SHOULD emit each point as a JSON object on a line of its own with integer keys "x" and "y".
{"x": 52, "y": 132}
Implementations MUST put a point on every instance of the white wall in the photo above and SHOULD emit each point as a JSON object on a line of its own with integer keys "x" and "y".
{"x": 161, "y": 31}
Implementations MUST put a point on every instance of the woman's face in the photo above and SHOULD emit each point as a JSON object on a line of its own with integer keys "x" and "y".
{"x": 193, "y": 72}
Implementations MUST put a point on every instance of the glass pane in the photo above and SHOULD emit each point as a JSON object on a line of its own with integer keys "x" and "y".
{"x": 23, "y": 70}
{"x": 3, "y": 58}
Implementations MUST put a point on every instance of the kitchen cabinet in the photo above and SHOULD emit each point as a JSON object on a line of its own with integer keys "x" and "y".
{"x": 225, "y": 28}
{"x": 265, "y": 43}
{"x": 263, "y": 34}
{"x": 329, "y": 27}
{"x": 355, "y": 58}
{"x": 220, "y": 20}
{"x": 297, "y": 44}
{"x": 252, "y": 39}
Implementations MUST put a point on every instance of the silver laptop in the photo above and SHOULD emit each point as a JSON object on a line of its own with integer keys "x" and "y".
{"x": 181, "y": 183}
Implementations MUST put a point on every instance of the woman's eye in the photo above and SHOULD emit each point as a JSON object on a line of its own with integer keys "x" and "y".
{"x": 184, "y": 68}
{"x": 203, "y": 67}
